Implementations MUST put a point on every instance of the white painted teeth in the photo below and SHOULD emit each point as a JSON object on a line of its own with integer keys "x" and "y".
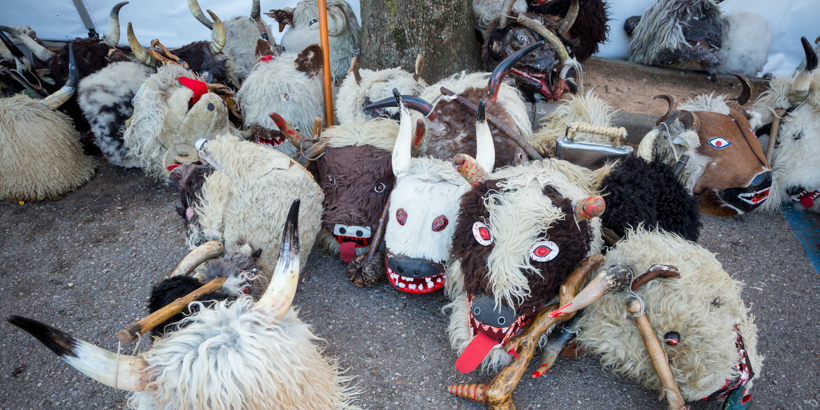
{"x": 485, "y": 327}
{"x": 412, "y": 286}
{"x": 438, "y": 280}
{"x": 406, "y": 279}
{"x": 394, "y": 276}
{"x": 402, "y": 285}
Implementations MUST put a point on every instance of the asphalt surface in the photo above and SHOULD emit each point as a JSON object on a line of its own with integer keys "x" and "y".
{"x": 85, "y": 264}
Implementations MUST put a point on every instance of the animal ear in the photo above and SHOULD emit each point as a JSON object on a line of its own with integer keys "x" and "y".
{"x": 284, "y": 17}
{"x": 263, "y": 48}
{"x": 309, "y": 61}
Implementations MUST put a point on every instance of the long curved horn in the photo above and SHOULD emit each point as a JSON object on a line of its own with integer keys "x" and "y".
{"x": 139, "y": 53}
{"x": 485, "y": 148}
{"x": 219, "y": 36}
{"x": 505, "y": 66}
{"x": 470, "y": 169}
{"x": 337, "y": 14}
{"x": 539, "y": 28}
{"x": 197, "y": 12}
{"x": 400, "y": 158}
{"x": 354, "y": 67}
{"x": 800, "y": 86}
{"x": 413, "y": 103}
{"x": 119, "y": 371}
{"x": 689, "y": 120}
{"x": 744, "y": 96}
{"x": 673, "y": 107}
{"x": 256, "y": 13}
{"x": 506, "y": 10}
{"x": 647, "y": 145}
{"x": 196, "y": 257}
{"x": 64, "y": 94}
{"x": 39, "y": 51}
{"x": 569, "y": 19}
{"x": 279, "y": 295}
{"x": 112, "y": 36}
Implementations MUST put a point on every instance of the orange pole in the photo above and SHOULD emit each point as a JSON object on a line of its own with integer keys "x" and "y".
{"x": 326, "y": 62}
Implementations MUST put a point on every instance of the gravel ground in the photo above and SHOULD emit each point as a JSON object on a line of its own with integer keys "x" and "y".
{"x": 85, "y": 264}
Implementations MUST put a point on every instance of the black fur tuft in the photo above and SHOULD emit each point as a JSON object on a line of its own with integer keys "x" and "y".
{"x": 59, "y": 342}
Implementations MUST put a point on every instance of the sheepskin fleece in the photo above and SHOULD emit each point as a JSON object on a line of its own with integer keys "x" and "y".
{"x": 511, "y": 245}
{"x": 794, "y": 162}
{"x": 587, "y": 108}
{"x": 746, "y": 40}
{"x": 485, "y": 11}
{"x": 262, "y": 365}
{"x": 105, "y": 98}
{"x": 375, "y": 86}
{"x": 40, "y": 153}
{"x": 277, "y": 86}
{"x": 430, "y": 188}
{"x": 240, "y": 46}
{"x": 248, "y": 197}
{"x": 162, "y": 118}
{"x": 379, "y": 132}
{"x": 703, "y": 306}
{"x": 661, "y": 28}
{"x": 343, "y": 29}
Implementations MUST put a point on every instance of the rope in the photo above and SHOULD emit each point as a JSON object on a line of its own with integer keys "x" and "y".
{"x": 611, "y": 132}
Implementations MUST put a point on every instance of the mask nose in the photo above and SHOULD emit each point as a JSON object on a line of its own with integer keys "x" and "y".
{"x": 412, "y": 267}
{"x": 747, "y": 198}
{"x": 762, "y": 180}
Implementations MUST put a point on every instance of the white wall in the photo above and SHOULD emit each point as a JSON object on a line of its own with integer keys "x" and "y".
{"x": 173, "y": 24}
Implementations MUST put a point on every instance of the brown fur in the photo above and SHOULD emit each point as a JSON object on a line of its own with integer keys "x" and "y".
{"x": 352, "y": 199}
{"x": 309, "y": 60}
{"x": 543, "y": 286}
{"x": 590, "y": 28}
{"x": 263, "y": 48}
{"x": 460, "y": 136}
{"x": 198, "y": 55}
{"x": 500, "y": 43}
{"x": 188, "y": 180}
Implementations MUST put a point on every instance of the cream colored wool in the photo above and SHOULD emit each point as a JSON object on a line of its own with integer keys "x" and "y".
{"x": 485, "y": 11}
{"x": 706, "y": 355}
{"x": 261, "y": 365}
{"x": 249, "y": 195}
{"x": 376, "y": 86}
{"x": 587, "y": 108}
{"x": 277, "y": 86}
{"x": 40, "y": 153}
{"x": 162, "y": 118}
{"x": 379, "y": 132}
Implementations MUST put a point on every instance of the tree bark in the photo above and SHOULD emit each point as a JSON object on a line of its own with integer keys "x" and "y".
{"x": 395, "y": 31}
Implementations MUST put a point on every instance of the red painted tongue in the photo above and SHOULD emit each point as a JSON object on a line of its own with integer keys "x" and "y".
{"x": 475, "y": 352}
{"x": 807, "y": 201}
{"x": 348, "y": 251}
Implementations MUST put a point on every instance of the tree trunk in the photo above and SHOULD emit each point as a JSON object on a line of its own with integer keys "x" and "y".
{"x": 395, "y": 31}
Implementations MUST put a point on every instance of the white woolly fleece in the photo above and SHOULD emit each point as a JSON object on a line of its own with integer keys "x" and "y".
{"x": 485, "y": 11}
{"x": 375, "y": 85}
{"x": 40, "y": 153}
{"x": 240, "y": 45}
{"x": 703, "y": 306}
{"x": 746, "y": 40}
{"x": 277, "y": 86}
{"x": 231, "y": 356}
{"x": 112, "y": 89}
{"x": 249, "y": 195}
{"x": 379, "y": 132}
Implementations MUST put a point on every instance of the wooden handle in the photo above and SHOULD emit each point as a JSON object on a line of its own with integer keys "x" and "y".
{"x": 149, "y": 322}
{"x": 325, "y": 44}
{"x": 657, "y": 355}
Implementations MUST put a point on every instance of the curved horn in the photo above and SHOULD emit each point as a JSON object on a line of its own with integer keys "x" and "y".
{"x": 800, "y": 86}
{"x": 256, "y": 13}
{"x": 689, "y": 120}
{"x": 401, "y": 152}
{"x": 219, "y": 36}
{"x": 196, "y": 257}
{"x": 474, "y": 392}
{"x": 485, "y": 148}
{"x": 539, "y": 28}
{"x": 569, "y": 19}
{"x": 279, "y": 295}
{"x": 615, "y": 278}
{"x": 338, "y": 14}
{"x": 354, "y": 67}
{"x": 119, "y": 371}
{"x": 64, "y": 94}
{"x": 414, "y": 103}
{"x": 291, "y": 134}
{"x": 39, "y": 51}
{"x": 505, "y": 66}
{"x": 112, "y": 36}
{"x": 419, "y": 67}
{"x": 139, "y": 53}
{"x": 744, "y": 96}
{"x": 673, "y": 106}
{"x": 506, "y": 10}
{"x": 470, "y": 169}
{"x": 647, "y": 145}
{"x": 197, "y": 12}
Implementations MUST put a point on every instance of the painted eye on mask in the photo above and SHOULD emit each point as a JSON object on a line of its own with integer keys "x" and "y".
{"x": 544, "y": 251}
{"x": 671, "y": 338}
{"x": 439, "y": 223}
{"x": 401, "y": 216}
{"x": 522, "y": 38}
{"x": 719, "y": 142}
{"x": 380, "y": 187}
{"x": 482, "y": 234}
{"x": 331, "y": 180}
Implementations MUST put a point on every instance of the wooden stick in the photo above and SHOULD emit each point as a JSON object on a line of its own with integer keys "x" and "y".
{"x": 657, "y": 355}
{"x": 513, "y": 134}
{"x": 326, "y": 62}
{"x": 149, "y": 322}
{"x": 773, "y": 134}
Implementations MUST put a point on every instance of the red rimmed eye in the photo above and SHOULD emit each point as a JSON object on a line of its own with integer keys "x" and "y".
{"x": 482, "y": 234}
{"x": 331, "y": 180}
{"x": 401, "y": 216}
{"x": 380, "y": 187}
{"x": 439, "y": 223}
{"x": 544, "y": 251}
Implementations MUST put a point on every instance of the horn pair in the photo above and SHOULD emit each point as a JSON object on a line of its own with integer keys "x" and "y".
{"x": 800, "y": 87}
{"x": 474, "y": 171}
{"x": 130, "y": 373}
{"x": 311, "y": 151}
{"x": 217, "y": 43}
{"x": 414, "y": 103}
{"x": 689, "y": 119}
{"x": 219, "y": 37}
